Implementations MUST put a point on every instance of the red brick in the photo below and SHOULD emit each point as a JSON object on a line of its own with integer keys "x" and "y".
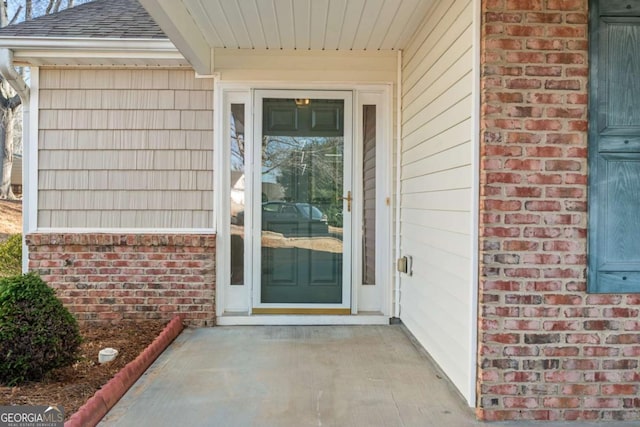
{"x": 542, "y": 179}
{"x": 564, "y": 58}
{"x": 523, "y": 5}
{"x": 545, "y": 98}
{"x": 541, "y": 259}
{"x": 561, "y": 325}
{"x": 540, "y": 311}
{"x": 561, "y": 402}
{"x": 521, "y": 245}
{"x": 543, "y": 18}
{"x": 523, "y": 84}
{"x": 562, "y": 85}
{"x": 538, "y": 206}
{"x": 523, "y": 138}
{"x": 521, "y": 402}
{"x": 523, "y": 218}
{"x": 542, "y": 125}
{"x": 578, "y": 125}
{"x": 534, "y": 70}
{"x": 577, "y": 72}
{"x": 601, "y": 325}
{"x": 502, "y": 205}
{"x": 564, "y": 138}
{"x": 504, "y": 97}
{"x": 595, "y": 402}
{"x": 604, "y": 299}
{"x": 591, "y": 351}
{"x": 562, "y": 165}
{"x": 560, "y": 299}
{"x": 565, "y": 5}
{"x": 521, "y": 377}
{"x": 561, "y": 351}
{"x": 526, "y": 165}
{"x": 524, "y": 112}
{"x": 521, "y": 325}
{"x": 507, "y": 44}
{"x": 524, "y": 30}
{"x": 566, "y": 31}
{"x": 576, "y": 18}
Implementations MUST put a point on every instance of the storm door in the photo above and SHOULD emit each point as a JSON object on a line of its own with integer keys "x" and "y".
{"x": 302, "y": 201}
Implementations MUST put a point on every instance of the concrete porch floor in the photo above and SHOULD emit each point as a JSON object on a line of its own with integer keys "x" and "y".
{"x": 296, "y": 376}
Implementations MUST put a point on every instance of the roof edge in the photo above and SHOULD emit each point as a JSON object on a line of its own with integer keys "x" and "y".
{"x": 83, "y": 43}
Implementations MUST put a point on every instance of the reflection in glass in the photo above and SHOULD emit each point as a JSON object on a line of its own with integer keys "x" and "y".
{"x": 369, "y": 193}
{"x": 302, "y": 206}
{"x": 237, "y": 181}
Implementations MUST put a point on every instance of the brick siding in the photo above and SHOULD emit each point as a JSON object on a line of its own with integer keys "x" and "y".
{"x": 548, "y": 350}
{"x": 112, "y": 277}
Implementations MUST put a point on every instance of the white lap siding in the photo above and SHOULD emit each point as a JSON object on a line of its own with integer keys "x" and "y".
{"x": 436, "y": 189}
{"x": 121, "y": 148}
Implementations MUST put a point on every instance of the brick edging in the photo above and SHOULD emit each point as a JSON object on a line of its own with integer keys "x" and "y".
{"x": 104, "y": 399}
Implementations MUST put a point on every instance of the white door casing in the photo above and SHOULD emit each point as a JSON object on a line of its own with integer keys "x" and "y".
{"x": 234, "y": 302}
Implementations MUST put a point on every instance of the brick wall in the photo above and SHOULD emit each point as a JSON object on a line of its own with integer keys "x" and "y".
{"x": 112, "y": 277}
{"x": 548, "y": 349}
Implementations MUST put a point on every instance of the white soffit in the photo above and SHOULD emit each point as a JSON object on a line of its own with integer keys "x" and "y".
{"x": 301, "y": 24}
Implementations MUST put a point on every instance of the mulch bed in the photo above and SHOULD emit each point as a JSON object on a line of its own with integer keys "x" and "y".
{"x": 72, "y": 386}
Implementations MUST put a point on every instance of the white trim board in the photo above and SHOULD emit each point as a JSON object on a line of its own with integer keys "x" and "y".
{"x": 243, "y": 320}
{"x": 169, "y": 231}
{"x": 471, "y": 393}
{"x": 30, "y": 134}
{"x": 236, "y": 298}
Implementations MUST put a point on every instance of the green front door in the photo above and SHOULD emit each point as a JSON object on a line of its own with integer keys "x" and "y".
{"x": 304, "y": 202}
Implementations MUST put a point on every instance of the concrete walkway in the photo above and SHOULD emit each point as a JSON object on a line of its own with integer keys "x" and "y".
{"x": 296, "y": 376}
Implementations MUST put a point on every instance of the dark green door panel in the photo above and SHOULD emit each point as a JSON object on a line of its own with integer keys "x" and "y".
{"x": 302, "y": 250}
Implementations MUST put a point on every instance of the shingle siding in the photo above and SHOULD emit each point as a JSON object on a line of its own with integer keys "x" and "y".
{"x": 114, "y": 156}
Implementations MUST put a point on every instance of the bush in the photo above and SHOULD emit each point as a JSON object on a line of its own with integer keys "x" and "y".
{"x": 37, "y": 333}
{"x": 11, "y": 256}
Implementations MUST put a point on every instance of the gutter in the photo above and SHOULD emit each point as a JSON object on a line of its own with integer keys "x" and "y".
{"x": 82, "y": 43}
{"x": 9, "y": 73}
{"x": 57, "y": 50}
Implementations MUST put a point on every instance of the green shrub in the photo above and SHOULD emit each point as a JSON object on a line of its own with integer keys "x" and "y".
{"x": 37, "y": 333}
{"x": 11, "y": 256}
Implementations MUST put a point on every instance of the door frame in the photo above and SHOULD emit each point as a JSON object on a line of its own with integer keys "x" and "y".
{"x": 258, "y": 96}
{"x": 371, "y": 304}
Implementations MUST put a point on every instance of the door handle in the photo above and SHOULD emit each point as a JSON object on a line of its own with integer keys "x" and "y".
{"x": 348, "y": 199}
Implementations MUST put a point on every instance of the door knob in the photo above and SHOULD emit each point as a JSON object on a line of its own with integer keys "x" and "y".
{"x": 348, "y": 199}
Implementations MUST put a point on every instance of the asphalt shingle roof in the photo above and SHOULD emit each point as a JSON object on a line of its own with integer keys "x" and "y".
{"x": 112, "y": 19}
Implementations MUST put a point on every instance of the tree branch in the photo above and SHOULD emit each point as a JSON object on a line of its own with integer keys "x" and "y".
{"x": 15, "y": 17}
{"x": 14, "y": 102}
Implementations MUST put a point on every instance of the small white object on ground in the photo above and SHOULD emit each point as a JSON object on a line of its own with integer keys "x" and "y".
{"x": 107, "y": 355}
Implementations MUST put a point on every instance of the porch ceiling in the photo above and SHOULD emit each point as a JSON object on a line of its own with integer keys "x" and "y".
{"x": 197, "y": 26}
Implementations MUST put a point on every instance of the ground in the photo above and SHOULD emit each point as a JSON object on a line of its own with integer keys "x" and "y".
{"x": 72, "y": 386}
{"x": 10, "y": 217}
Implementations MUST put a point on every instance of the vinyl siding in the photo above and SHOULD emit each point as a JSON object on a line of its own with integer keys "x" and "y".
{"x": 436, "y": 188}
{"x": 125, "y": 149}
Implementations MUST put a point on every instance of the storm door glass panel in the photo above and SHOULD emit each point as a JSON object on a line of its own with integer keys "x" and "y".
{"x": 369, "y": 193}
{"x": 302, "y": 206}
{"x": 237, "y": 192}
